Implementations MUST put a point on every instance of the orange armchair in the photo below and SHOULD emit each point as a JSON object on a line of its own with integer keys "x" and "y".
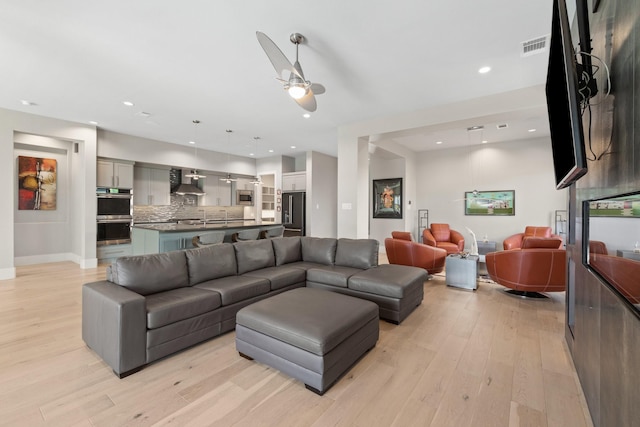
{"x": 402, "y": 235}
{"x": 404, "y": 252}
{"x": 441, "y": 236}
{"x": 622, "y": 273}
{"x": 515, "y": 241}
{"x": 530, "y": 270}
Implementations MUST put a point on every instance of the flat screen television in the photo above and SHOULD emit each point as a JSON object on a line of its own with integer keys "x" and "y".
{"x": 563, "y": 104}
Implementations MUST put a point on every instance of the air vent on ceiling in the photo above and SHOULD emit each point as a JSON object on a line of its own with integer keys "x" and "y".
{"x": 474, "y": 128}
{"x": 502, "y": 126}
{"x": 534, "y": 46}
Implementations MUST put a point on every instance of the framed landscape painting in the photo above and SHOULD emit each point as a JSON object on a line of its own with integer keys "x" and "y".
{"x": 489, "y": 202}
{"x": 387, "y": 198}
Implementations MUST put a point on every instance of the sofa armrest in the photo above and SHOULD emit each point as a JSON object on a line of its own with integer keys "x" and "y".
{"x": 427, "y": 238}
{"x": 114, "y": 325}
{"x": 458, "y": 239}
{"x": 513, "y": 242}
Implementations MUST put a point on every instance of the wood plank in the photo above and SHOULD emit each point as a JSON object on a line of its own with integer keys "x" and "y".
{"x": 461, "y": 358}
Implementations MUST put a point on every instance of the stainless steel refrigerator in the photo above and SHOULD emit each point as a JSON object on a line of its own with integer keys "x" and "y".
{"x": 293, "y": 213}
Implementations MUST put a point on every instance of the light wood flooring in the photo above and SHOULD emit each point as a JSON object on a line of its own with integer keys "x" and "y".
{"x": 462, "y": 358}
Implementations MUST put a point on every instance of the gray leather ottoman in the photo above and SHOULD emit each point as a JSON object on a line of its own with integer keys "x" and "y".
{"x": 312, "y": 335}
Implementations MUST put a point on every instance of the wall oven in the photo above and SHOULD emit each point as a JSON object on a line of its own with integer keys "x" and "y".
{"x": 114, "y": 216}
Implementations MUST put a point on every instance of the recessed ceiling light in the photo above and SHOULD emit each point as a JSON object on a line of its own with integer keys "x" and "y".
{"x": 484, "y": 70}
{"x": 27, "y": 103}
{"x": 128, "y": 103}
{"x": 251, "y": 154}
{"x": 192, "y": 142}
{"x": 484, "y": 141}
{"x": 532, "y": 130}
{"x": 306, "y": 115}
{"x": 438, "y": 142}
{"x": 293, "y": 147}
{"x": 93, "y": 122}
{"x": 271, "y": 151}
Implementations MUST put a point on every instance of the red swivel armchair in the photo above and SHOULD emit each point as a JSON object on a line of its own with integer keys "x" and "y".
{"x": 406, "y": 252}
{"x": 515, "y": 241}
{"x": 441, "y": 236}
{"x": 537, "y": 267}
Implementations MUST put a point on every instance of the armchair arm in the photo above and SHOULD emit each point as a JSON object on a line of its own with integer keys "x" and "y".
{"x": 427, "y": 238}
{"x": 430, "y": 258}
{"x": 114, "y": 325}
{"x": 458, "y": 239}
{"x": 513, "y": 242}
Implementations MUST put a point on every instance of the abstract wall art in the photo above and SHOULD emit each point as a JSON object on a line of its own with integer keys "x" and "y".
{"x": 37, "y": 183}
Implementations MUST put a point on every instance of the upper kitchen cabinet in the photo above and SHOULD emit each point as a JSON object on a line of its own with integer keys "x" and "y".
{"x": 294, "y": 181}
{"x": 114, "y": 174}
{"x": 218, "y": 193}
{"x": 151, "y": 186}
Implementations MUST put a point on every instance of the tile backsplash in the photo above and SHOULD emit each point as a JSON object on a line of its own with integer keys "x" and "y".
{"x": 173, "y": 212}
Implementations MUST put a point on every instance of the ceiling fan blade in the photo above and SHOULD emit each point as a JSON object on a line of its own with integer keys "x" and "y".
{"x": 308, "y": 102}
{"x": 275, "y": 55}
{"x": 317, "y": 88}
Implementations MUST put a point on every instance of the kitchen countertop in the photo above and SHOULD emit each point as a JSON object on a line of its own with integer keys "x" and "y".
{"x": 198, "y": 225}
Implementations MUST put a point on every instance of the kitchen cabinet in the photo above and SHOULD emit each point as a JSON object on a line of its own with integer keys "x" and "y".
{"x": 294, "y": 181}
{"x": 176, "y": 241}
{"x": 151, "y": 186}
{"x": 109, "y": 253}
{"x": 218, "y": 192}
{"x": 114, "y": 174}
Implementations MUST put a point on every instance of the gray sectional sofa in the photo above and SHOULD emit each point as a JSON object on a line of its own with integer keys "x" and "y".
{"x": 151, "y": 306}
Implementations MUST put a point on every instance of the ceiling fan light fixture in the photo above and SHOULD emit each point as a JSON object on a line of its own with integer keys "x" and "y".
{"x": 297, "y": 91}
{"x": 194, "y": 175}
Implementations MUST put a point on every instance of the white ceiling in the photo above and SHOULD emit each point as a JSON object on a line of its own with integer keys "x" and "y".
{"x": 196, "y": 59}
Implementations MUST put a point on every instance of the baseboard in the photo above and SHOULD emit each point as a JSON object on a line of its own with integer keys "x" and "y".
{"x": 44, "y": 259}
{"x": 7, "y": 273}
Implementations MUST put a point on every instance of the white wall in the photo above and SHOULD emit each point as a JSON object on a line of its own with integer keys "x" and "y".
{"x": 616, "y": 233}
{"x": 43, "y": 235}
{"x": 382, "y": 168}
{"x": 322, "y": 186}
{"x": 524, "y": 166}
{"x": 82, "y": 210}
{"x": 127, "y": 147}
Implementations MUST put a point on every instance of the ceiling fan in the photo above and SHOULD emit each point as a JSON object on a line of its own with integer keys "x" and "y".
{"x": 301, "y": 90}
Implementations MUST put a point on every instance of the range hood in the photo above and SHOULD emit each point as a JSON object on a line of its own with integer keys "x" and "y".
{"x": 178, "y": 187}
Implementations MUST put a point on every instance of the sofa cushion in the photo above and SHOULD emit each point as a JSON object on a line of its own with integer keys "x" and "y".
{"x": 234, "y": 289}
{"x": 357, "y": 253}
{"x": 280, "y": 277}
{"x": 287, "y": 249}
{"x": 149, "y": 274}
{"x": 541, "y": 242}
{"x": 254, "y": 255}
{"x": 321, "y": 250}
{"x": 334, "y": 275}
{"x": 211, "y": 262}
{"x": 167, "y": 307}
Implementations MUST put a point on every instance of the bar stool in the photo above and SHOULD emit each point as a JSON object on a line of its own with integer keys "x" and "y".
{"x": 208, "y": 239}
{"x": 250, "y": 234}
{"x": 271, "y": 232}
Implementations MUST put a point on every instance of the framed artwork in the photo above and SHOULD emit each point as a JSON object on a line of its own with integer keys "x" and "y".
{"x": 493, "y": 203}
{"x": 37, "y": 183}
{"x": 621, "y": 207}
{"x": 387, "y": 198}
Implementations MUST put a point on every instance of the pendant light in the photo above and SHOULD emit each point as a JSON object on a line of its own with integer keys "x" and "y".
{"x": 194, "y": 174}
{"x": 228, "y": 178}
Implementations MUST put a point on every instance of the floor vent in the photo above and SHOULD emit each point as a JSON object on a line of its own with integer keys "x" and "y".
{"x": 534, "y": 46}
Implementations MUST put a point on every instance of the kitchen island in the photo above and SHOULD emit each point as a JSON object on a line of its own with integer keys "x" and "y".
{"x": 150, "y": 238}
